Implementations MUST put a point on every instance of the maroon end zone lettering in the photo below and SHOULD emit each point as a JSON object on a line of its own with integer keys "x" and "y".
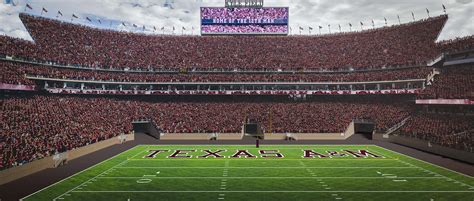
{"x": 312, "y": 154}
{"x": 266, "y": 153}
{"x": 335, "y": 154}
{"x": 244, "y": 153}
{"x": 154, "y": 153}
{"x": 362, "y": 153}
{"x": 177, "y": 154}
{"x": 210, "y": 153}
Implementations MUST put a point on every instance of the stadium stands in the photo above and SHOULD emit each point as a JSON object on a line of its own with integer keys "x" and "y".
{"x": 456, "y": 82}
{"x": 452, "y": 130}
{"x": 37, "y": 126}
{"x": 456, "y": 45}
{"x": 388, "y": 54}
{"x": 403, "y": 45}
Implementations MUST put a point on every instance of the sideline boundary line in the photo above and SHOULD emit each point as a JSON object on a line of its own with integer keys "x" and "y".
{"x": 273, "y": 191}
{"x": 425, "y": 162}
{"x": 77, "y": 173}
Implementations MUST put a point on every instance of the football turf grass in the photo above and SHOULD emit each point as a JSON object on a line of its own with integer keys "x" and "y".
{"x": 133, "y": 176}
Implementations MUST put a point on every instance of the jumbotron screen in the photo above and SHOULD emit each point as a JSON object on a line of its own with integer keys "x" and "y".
{"x": 232, "y": 21}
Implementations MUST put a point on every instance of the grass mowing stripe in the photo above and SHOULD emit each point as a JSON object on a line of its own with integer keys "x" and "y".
{"x": 273, "y": 177}
{"x": 89, "y": 168}
{"x": 335, "y": 191}
{"x": 432, "y": 164}
{"x": 177, "y": 176}
{"x": 262, "y": 167}
{"x": 124, "y": 161}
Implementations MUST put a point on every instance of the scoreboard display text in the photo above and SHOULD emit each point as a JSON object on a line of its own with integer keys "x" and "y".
{"x": 245, "y": 20}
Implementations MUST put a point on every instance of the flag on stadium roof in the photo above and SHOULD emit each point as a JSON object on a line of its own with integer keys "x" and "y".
{"x": 28, "y": 6}
{"x": 74, "y": 16}
{"x": 44, "y": 10}
{"x": 88, "y": 19}
{"x": 59, "y": 13}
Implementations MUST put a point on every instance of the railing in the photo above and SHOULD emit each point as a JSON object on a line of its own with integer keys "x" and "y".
{"x": 231, "y": 92}
{"x": 396, "y": 127}
{"x": 165, "y": 70}
{"x": 436, "y": 60}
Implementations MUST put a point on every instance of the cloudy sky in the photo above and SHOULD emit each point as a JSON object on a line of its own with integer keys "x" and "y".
{"x": 185, "y": 13}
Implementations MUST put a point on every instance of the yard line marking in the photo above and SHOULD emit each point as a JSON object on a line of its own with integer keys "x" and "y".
{"x": 77, "y": 173}
{"x": 302, "y": 177}
{"x": 272, "y": 191}
{"x": 431, "y": 164}
{"x": 97, "y": 176}
{"x": 442, "y": 176}
{"x": 254, "y": 167}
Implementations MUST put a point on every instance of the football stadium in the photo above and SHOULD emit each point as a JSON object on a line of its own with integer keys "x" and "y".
{"x": 236, "y": 100}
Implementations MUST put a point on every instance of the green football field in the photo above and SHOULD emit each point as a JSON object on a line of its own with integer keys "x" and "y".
{"x": 271, "y": 172}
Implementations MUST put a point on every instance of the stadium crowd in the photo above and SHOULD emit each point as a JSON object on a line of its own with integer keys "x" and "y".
{"x": 455, "y": 82}
{"x": 37, "y": 126}
{"x": 66, "y": 43}
{"x": 452, "y": 130}
{"x": 457, "y": 45}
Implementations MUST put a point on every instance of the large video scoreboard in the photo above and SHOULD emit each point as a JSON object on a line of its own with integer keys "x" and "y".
{"x": 244, "y": 20}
